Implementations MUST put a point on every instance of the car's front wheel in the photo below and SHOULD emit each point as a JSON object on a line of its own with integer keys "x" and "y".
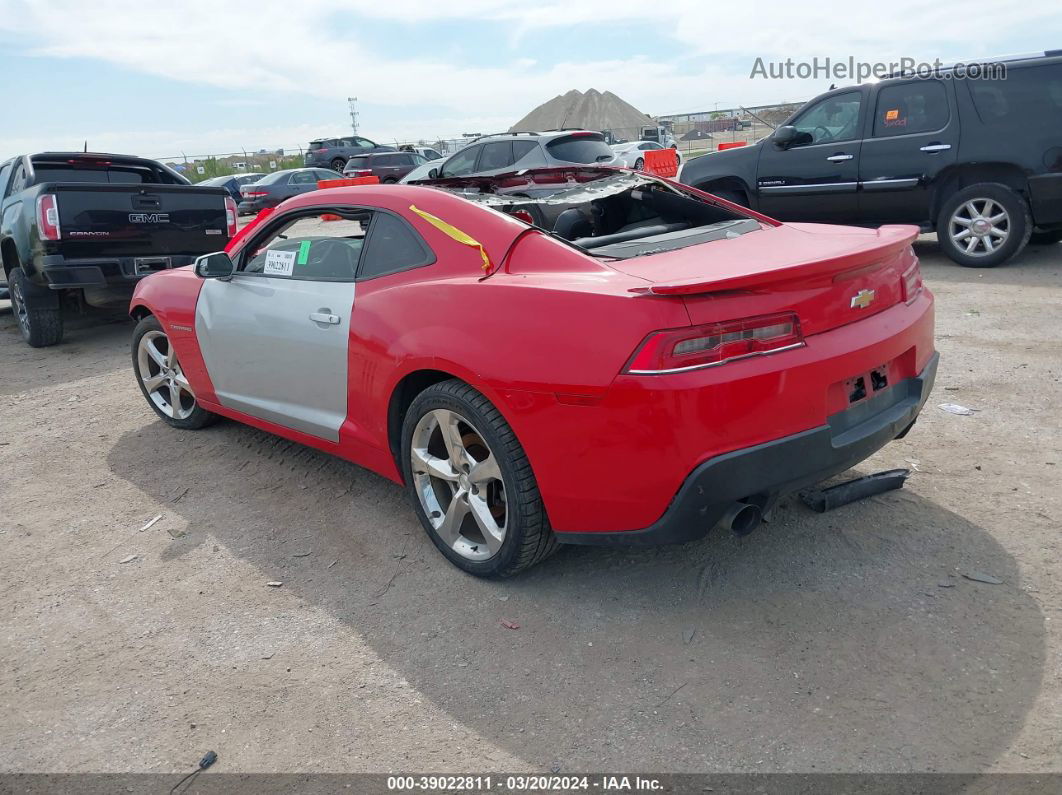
{"x": 984, "y": 225}
{"x": 162, "y": 380}
{"x": 471, "y": 484}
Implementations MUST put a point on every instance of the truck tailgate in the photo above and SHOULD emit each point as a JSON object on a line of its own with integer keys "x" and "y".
{"x": 139, "y": 220}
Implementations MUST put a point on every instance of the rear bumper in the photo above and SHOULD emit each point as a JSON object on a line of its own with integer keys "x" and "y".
{"x": 767, "y": 471}
{"x": 60, "y": 273}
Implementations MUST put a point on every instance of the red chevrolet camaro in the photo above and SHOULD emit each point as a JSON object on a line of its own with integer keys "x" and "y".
{"x": 616, "y": 359}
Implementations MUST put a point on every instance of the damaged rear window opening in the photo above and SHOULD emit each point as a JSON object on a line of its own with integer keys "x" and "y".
{"x": 605, "y": 212}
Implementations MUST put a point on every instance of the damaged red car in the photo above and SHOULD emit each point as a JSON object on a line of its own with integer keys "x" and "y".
{"x": 585, "y": 356}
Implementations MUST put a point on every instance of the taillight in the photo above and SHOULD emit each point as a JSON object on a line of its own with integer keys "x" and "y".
{"x": 230, "y": 216}
{"x": 358, "y": 172}
{"x": 712, "y": 344}
{"x": 911, "y": 282}
{"x": 251, "y": 194}
{"x": 47, "y": 217}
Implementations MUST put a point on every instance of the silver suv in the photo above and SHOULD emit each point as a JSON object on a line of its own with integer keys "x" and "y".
{"x": 496, "y": 154}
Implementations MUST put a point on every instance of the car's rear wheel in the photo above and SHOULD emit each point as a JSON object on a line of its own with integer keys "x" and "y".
{"x": 984, "y": 225}
{"x": 471, "y": 483}
{"x": 639, "y": 164}
{"x": 162, "y": 380}
{"x": 339, "y": 164}
{"x": 37, "y": 310}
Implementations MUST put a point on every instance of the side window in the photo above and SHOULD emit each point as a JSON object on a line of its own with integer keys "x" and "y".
{"x": 832, "y": 119}
{"x": 303, "y": 177}
{"x": 20, "y": 180}
{"x": 310, "y": 248}
{"x": 387, "y": 160}
{"x": 496, "y": 155}
{"x": 522, "y": 148}
{"x": 363, "y": 143}
{"x": 392, "y": 246}
{"x": 1028, "y": 95}
{"x": 464, "y": 162}
{"x": 5, "y": 173}
{"x": 919, "y": 106}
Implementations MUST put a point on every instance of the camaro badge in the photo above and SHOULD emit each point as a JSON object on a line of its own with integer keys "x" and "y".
{"x": 862, "y": 299}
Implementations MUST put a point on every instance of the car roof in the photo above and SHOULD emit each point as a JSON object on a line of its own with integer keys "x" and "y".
{"x": 545, "y": 135}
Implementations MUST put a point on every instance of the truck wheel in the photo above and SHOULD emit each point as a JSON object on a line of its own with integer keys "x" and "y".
{"x": 161, "y": 379}
{"x": 471, "y": 483}
{"x": 37, "y": 309}
{"x": 984, "y": 225}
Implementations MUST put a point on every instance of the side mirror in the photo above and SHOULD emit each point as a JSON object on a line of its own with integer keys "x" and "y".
{"x": 433, "y": 174}
{"x": 784, "y": 136}
{"x": 214, "y": 266}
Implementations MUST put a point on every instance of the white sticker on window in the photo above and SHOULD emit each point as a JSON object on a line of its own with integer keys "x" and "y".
{"x": 279, "y": 263}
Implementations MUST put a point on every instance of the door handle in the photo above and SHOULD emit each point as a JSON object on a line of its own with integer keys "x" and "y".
{"x": 934, "y": 148}
{"x": 325, "y": 317}
{"x": 839, "y": 158}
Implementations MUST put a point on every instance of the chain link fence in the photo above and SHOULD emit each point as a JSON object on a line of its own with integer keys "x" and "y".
{"x": 693, "y": 134}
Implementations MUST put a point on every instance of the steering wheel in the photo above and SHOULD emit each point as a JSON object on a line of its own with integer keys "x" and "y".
{"x": 826, "y": 134}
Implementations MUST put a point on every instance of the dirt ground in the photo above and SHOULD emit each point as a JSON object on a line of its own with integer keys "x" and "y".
{"x": 848, "y": 641}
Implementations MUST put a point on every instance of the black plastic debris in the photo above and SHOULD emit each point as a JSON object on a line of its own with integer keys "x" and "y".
{"x": 822, "y": 500}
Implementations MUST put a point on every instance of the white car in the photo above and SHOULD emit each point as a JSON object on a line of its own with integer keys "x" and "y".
{"x": 427, "y": 152}
{"x": 632, "y": 154}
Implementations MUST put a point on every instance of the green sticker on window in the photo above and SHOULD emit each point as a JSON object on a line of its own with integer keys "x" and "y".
{"x": 304, "y": 252}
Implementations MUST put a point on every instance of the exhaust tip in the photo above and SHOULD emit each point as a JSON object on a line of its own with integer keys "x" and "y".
{"x": 742, "y": 518}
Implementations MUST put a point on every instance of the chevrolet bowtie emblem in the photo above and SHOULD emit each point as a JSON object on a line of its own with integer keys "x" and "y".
{"x": 862, "y": 299}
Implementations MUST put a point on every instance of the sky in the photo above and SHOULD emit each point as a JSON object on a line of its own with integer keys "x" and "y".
{"x": 193, "y": 78}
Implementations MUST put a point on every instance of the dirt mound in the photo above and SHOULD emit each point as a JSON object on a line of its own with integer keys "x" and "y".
{"x": 592, "y": 110}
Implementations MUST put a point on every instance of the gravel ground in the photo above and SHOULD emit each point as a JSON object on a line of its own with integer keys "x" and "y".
{"x": 849, "y": 641}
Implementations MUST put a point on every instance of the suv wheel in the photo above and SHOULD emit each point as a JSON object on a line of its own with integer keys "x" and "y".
{"x": 984, "y": 225}
{"x": 339, "y": 164}
{"x": 471, "y": 483}
{"x": 37, "y": 310}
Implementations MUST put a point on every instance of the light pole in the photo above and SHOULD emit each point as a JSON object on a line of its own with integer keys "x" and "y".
{"x": 352, "y": 103}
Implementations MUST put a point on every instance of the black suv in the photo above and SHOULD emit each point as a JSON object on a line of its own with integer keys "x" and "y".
{"x": 979, "y": 161}
{"x": 333, "y": 153}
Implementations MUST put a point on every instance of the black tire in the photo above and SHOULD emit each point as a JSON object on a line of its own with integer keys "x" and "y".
{"x": 339, "y": 164}
{"x": 639, "y": 164}
{"x": 198, "y": 416}
{"x": 1018, "y": 225}
{"x": 37, "y": 310}
{"x": 529, "y": 538}
{"x": 388, "y": 181}
{"x": 1046, "y": 238}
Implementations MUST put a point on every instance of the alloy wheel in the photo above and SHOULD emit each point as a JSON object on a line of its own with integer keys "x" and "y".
{"x": 459, "y": 484}
{"x": 18, "y": 303}
{"x": 164, "y": 381}
{"x": 979, "y": 227}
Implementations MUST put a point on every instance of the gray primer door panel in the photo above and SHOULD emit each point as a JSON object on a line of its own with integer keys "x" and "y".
{"x": 267, "y": 356}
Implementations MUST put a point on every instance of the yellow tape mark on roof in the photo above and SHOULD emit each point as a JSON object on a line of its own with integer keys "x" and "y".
{"x": 454, "y": 232}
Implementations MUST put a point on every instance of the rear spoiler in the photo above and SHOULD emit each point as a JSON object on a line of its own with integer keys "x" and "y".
{"x": 893, "y": 239}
